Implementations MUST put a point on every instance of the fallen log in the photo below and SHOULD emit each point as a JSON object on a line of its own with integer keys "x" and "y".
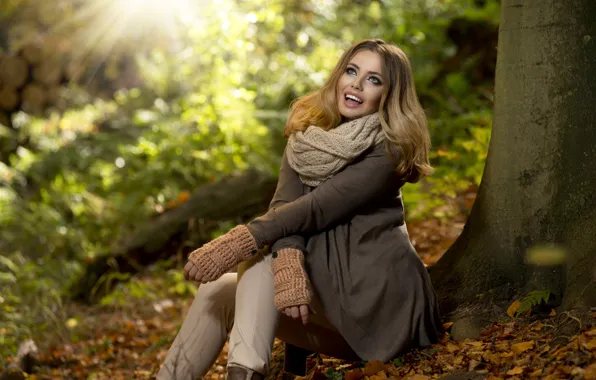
{"x": 13, "y": 71}
{"x": 9, "y": 99}
{"x": 237, "y": 197}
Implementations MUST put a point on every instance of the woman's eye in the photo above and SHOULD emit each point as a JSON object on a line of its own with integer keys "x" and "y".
{"x": 374, "y": 80}
{"x": 351, "y": 71}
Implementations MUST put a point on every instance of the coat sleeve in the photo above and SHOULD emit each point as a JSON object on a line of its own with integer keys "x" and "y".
{"x": 336, "y": 199}
{"x": 289, "y": 188}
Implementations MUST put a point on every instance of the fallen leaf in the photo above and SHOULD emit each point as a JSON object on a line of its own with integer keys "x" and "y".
{"x": 473, "y": 364}
{"x": 452, "y": 348}
{"x": 591, "y": 345}
{"x": 373, "y": 367}
{"x": 418, "y": 377}
{"x": 513, "y": 308}
{"x": 538, "y": 327}
{"x": 355, "y": 374}
{"x": 447, "y": 325}
{"x": 515, "y": 371}
{"x": 536, "y": 373}
{"x": 577, "y": 371}
{"x": 590, "y": 372}
{"x": 518, "y": 348}
{"x": 379, "y": 376}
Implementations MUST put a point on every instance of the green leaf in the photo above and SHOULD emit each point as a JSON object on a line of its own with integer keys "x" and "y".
{"x": 532, "y": 299}
{"x": 7, "y": 278}
{"x": 8, "y": 263}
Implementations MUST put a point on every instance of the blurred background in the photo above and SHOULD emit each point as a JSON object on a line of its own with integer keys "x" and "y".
{"x": 118, "y": 117}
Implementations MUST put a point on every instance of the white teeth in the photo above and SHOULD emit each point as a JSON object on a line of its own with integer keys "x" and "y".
{"x": 348, "y": 96}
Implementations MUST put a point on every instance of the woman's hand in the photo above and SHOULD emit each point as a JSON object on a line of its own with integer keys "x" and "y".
{"x": 292, "y": 287}
{"x": 217, "y": 257}
{"x": 296, "y": 312}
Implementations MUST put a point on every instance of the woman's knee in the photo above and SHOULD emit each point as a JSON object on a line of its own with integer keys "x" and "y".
{"x": 217, "y": 296}
{"x": 257, "y": 267}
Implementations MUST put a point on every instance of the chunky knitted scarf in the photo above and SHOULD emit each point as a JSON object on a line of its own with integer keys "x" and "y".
{"x": 316, "y": 154}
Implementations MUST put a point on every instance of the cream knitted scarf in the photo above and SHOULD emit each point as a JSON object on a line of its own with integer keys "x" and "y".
{"x": 316, "y": 154}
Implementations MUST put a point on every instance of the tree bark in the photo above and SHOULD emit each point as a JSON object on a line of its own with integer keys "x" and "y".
{"x": 238, "y": 197}
{"x": 539, "y": 183}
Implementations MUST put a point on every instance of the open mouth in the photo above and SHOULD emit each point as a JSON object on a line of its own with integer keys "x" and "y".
{"x": 353, "y": 99}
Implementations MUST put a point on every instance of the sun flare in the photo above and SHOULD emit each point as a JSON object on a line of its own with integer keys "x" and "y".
{"x": 104, "y": 24}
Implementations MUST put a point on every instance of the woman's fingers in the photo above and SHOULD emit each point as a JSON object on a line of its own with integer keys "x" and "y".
{"x": 298, "y": 312}
{"x": 189, "y": 265}
{"x": 193, "y": 273}
{"x": 304, "y": 313}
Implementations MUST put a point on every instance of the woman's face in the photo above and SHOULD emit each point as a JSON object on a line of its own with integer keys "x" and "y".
{"x": 361, "y": 86}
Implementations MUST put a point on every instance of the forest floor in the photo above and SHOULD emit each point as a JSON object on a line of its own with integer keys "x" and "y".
{"x": 131, "y": 342}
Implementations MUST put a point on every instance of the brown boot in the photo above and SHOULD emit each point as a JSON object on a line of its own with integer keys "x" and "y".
{"x": 240, "y": 373}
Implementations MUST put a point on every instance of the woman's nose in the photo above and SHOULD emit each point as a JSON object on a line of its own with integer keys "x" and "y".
{"x": 356, "y": 84}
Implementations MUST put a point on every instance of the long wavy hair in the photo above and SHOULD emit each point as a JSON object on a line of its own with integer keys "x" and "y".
{"x": 402, "y": 118}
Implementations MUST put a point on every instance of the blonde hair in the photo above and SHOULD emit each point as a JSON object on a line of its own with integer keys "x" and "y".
{"x": 402, "y": 118}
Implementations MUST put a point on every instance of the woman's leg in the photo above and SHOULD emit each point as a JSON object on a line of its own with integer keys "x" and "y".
{"x": 256, "y": 319}
{"x": 248, "y": 306}
{"x": 257, "y": 322}
{"x": 203, "y": 332}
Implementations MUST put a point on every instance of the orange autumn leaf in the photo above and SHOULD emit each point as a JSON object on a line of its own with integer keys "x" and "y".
{"x": 515, "y": 371}
{"x": 447, "y": 325}
{"x": 590, "y": 372}
{"x": 591, "y": 345}
{"x": 518, "y": 348}
{"x": 513, "y": 308}
{"x": 373, "y": 367}
{"x": 452, "y": 348}
{"x": 355, "y": 374}
{"x": 536, "y": 373}
{"x": 379, "y": 376}
{"x": 183, "y": 197}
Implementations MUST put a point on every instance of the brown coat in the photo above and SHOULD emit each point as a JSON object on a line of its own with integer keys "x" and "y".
{"x": 372, "y": 284}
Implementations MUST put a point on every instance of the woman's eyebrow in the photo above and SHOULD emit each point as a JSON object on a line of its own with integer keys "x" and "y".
{"x": 370, "y": 72}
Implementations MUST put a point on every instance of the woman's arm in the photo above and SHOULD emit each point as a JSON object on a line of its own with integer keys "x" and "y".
{"x": 289, "y": 188}
{"x": 334, "y": 200}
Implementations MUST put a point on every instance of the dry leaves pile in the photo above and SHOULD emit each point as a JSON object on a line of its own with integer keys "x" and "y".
{"x": 122, "y": 347}
{"x": 512, "y": 350}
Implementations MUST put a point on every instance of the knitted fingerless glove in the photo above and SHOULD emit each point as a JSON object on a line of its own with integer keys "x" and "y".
{"x": 292, "y": 286}
{"x": 222, "y": 254}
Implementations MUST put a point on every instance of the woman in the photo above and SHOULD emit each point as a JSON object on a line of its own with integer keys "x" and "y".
{"x": 336, "y": 230}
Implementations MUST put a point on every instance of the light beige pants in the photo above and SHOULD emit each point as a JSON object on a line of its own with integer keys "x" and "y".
{"x": 244, "y": 305}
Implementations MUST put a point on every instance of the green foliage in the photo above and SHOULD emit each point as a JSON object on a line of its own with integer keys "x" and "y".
{"x": 531, "y": 300}
{"x": 332, "y": 374}
{"x": 30, "y": 301}
{"x": 163, "y": 284}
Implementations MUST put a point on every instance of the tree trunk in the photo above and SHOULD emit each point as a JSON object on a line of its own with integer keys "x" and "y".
{"x": 539, "y": 184}
{"x": 239, "y": 197}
